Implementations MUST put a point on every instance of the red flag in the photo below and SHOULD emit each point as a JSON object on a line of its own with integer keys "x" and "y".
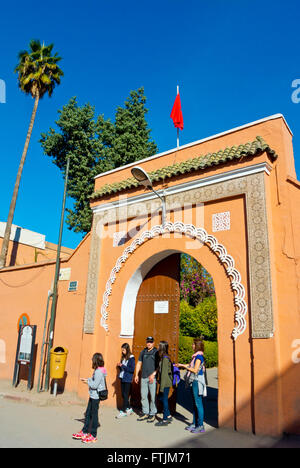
{"x": 176, "y": 114}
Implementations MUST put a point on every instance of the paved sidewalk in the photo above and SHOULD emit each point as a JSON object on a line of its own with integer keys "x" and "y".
{"x": 28, "y": 419}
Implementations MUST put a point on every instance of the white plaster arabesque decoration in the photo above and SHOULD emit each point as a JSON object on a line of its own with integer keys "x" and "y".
{"x": 221, "y": 221}
{"x": 197, "y": 233}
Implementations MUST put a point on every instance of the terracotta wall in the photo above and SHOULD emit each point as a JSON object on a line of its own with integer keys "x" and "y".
{"x": 22, "y": 254}
{"x": 24, "y": 290}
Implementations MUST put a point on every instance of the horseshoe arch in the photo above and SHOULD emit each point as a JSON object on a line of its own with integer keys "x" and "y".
{"x": 203, "y": 237}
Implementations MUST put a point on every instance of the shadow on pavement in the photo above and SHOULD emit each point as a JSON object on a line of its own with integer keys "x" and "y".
{"x": 210, "y": 403}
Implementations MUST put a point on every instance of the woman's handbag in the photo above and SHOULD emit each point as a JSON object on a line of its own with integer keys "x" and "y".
{"x": 103, "y": 394}
{"x": 190, "y": 377}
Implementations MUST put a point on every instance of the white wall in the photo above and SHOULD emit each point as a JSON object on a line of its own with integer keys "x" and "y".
{"x": 24, "y": 236}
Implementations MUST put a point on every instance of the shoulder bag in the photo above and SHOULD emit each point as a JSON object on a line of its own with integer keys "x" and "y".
{"x": 103, "y": 394}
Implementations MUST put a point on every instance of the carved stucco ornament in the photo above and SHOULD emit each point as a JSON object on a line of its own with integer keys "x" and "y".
{"x": 196, "y": 233}
{"x": 252, "y": 188}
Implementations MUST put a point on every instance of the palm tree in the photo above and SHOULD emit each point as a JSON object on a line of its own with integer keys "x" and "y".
{"x": 38, "y": 74}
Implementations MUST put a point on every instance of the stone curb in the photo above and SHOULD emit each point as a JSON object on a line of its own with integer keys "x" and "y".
{"x": 50, "y": 401}
{"x": 15, "y": 398}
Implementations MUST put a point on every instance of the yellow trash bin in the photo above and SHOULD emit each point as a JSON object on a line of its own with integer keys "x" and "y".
{"x": 58, "y": 358}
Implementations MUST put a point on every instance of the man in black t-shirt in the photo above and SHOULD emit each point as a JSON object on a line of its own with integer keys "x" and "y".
{"x": 148, "y": 364}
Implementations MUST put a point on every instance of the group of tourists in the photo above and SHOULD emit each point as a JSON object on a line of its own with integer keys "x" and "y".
{"x": 154, "y": 370}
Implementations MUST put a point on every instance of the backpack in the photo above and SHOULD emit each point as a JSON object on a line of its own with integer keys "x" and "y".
{"x": 175, "y": 373}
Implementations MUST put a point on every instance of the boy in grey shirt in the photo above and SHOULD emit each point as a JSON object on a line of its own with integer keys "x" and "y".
{"x": 148, "y": 364}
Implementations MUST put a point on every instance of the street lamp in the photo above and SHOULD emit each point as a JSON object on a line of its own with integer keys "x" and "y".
{"x": 56, "y": 278}
{"x": 143, "y": 178}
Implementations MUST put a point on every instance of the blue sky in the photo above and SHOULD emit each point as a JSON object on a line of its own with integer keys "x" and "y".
{"x": 234, "y": 60}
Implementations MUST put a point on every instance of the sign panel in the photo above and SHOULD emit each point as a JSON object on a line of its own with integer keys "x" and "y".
{"x": 73, "y": 286}
{"x": 25, "y": 344}
{"x": 25, "y": 352}
{"x": 161, "y": 307}
{"x": 65, "y": 274}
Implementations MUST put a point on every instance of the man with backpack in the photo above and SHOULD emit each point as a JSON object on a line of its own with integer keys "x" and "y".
{"x": 148, "y": 364}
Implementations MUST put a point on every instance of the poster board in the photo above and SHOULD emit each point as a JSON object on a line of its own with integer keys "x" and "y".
{"x": 161, "y": 307}
{"x": 25, "y": 352}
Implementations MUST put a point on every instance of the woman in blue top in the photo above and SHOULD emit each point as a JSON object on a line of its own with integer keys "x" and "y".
{"x": 127, "y": 366}
{"x": 196, "y": 376}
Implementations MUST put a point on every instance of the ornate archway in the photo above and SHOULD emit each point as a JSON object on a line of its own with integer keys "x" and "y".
{"x": 203, "y": 237}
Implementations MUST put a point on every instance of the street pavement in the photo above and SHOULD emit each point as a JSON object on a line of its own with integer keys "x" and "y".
{"x": 32, "y": 420}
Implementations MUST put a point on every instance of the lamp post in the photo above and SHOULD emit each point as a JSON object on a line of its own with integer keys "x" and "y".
{"x": 143, "y": 178}
{"x": 56, "y": 277}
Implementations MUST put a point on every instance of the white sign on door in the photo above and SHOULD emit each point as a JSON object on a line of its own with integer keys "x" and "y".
{"x": 161, "y": 307}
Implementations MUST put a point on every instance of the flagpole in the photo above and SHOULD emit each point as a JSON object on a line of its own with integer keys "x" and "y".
{"x": 176, "y": 115}
{"x": 177, "y": 127}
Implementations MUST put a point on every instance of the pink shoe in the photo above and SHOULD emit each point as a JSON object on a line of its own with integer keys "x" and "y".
{"x": 79, "y": 435}
{"x": 89, "y": 439}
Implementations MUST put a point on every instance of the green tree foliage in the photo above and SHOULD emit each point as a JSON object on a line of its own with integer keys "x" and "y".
{"x": 195, "y": 282}
{"x": 96, "y": 145}
{"x": 132, "y": 135}
{"x": 78, "y": 138}
{"x": 201, "y": 320}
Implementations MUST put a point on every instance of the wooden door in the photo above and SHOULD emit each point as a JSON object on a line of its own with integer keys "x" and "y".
{"x": 157, "y": 313}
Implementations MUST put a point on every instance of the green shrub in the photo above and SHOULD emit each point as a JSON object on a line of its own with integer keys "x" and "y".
{"x": 186, "y": 351}
{"x": 211, "y": 353}
{"x": 200, "y": 320}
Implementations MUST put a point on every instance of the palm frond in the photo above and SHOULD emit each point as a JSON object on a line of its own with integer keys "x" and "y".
{"x": 35, "y": 45}
{"x": 37, "y": 69}
{"x": 45, "y": 79}
{"x": 48, "y": 49}
{"x": 22, "y": 54}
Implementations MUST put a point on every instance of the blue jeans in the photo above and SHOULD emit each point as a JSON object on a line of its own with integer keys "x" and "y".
{"x": 198, "y": 410}
{"x": 146, "y": 388}
{"x": 91, "y": 417}
{"x": 163, "y": 396}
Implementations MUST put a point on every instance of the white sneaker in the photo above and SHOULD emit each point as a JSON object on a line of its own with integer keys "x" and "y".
{"x": 129, "y": 411}
{"x": 121, "y": 415}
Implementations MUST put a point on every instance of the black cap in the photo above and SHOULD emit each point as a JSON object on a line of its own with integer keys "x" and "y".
{"x": 149, "y": 339}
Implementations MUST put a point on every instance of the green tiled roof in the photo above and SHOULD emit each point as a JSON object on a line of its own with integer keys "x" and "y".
{"x": 252, "y": 148}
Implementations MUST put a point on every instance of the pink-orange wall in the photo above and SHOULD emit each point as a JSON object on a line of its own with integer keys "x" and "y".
{"x": 22, "y": 254}
{"x": 24, "y": 290}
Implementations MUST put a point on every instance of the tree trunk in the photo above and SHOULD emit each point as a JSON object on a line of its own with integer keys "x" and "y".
{"x": 6, "y": 238}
